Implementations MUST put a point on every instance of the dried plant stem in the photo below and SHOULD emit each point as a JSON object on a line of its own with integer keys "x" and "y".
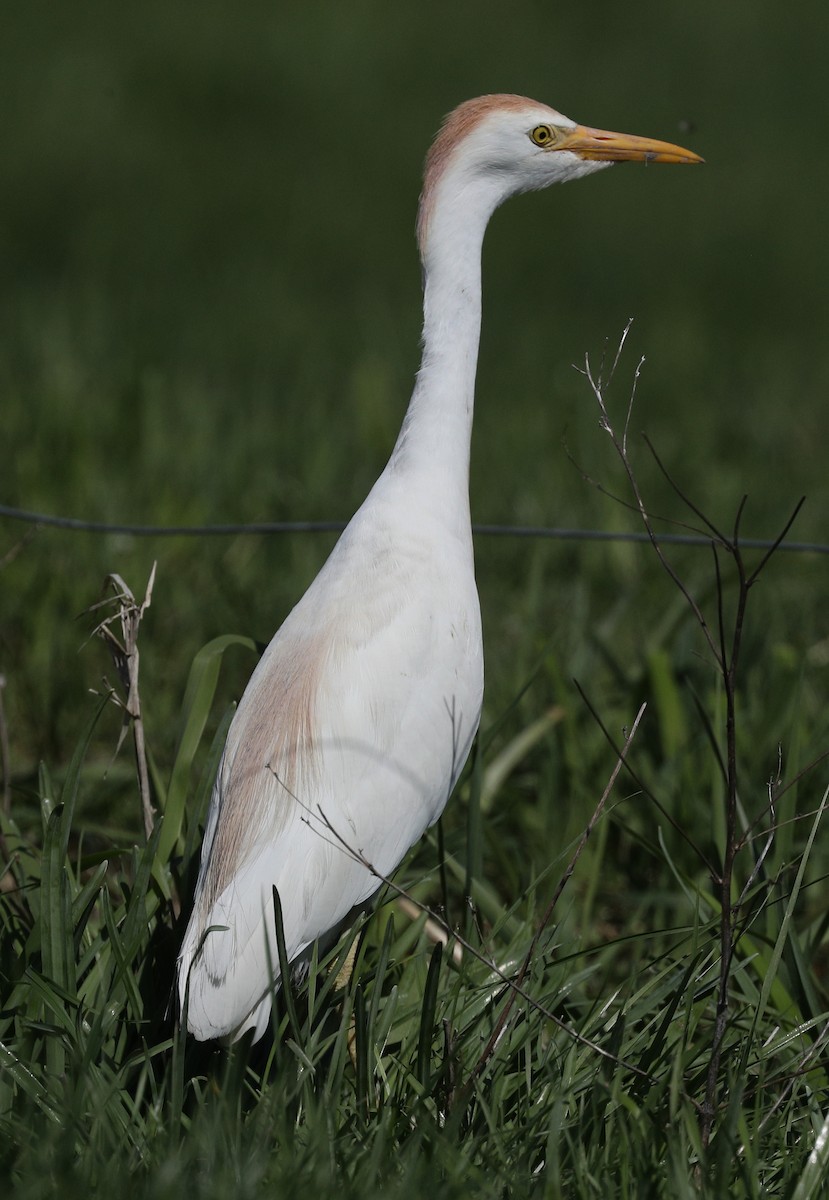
{"x": 598, "y": 386}
{"x": 141, "y": 762}
{"x": 126, "y": 659}
{"x": 724, "y": 640}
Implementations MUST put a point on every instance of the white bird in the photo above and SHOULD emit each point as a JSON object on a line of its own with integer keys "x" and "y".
{"x": 360, "y": 715}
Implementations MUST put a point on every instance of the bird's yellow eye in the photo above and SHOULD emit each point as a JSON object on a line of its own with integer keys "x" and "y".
{"x": 543, "y": 135}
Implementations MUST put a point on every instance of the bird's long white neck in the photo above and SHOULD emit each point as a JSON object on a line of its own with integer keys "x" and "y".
{"x": 434, "y": 441}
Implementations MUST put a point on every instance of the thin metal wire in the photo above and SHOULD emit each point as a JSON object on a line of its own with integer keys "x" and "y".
{"x": 74, "y": 525}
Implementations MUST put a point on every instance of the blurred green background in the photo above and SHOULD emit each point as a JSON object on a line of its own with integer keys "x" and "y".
{"x": 210, "y": 310}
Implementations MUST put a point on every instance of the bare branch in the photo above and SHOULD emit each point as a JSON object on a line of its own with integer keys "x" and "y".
{"x": 777, "y": 541}
{"x": 643, "y": 511}
{"x": 724, "y": 642}
{"x": 686, "y": 500}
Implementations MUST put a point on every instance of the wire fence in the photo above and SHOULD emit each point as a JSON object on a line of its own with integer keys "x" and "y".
{"x": 75, "y": 525}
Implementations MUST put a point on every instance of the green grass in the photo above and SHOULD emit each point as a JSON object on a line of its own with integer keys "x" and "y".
{"x": 210, "y": 312}
{"x": 397, "y": 1085}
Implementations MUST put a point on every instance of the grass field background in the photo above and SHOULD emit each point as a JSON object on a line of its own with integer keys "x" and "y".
{"x": 209, "y": 312}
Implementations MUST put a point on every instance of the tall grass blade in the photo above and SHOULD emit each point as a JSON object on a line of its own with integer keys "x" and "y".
{"x": 815, "y": 1175}
{"x": 55, "y": 922}
{"x": 361, "y": 1042}
{"x": 197, "y": 810}
{"x": 134, "y": 929}
{"x": 380, "y": 973}
{"x": 72, "y": 782}
{"x": 27, "y": 1082}
{"x": 427, "y": 1018}
{"x": 770, "y": 974}
{"x": 285, "y": 968}
{"x": 198, "y": 699}
{"x": 83, "y": 904}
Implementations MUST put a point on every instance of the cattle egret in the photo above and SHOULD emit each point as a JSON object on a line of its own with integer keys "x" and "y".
{"x": 360, "y": 715}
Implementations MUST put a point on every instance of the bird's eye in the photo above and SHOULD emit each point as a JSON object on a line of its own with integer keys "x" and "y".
{"x": 543, "y": 135}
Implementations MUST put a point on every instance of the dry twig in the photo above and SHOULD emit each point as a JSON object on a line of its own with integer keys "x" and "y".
{"x": 724, "y": 641}
{"x": 126, "y": 659}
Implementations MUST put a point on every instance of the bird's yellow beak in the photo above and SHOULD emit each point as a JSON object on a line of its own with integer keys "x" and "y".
{"x": 621, "y": 147}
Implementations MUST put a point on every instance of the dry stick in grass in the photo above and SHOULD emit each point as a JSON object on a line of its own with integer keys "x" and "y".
{"x": 126, "y": 659}
{"x": 725, "y": 647}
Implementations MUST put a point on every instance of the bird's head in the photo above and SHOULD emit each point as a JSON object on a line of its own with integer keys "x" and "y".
{"x": 493, "y": 147}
